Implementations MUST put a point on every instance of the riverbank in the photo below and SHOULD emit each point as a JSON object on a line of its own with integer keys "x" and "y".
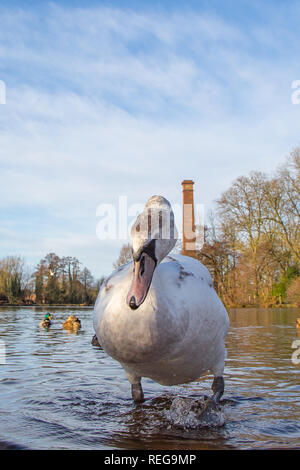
{"x": 92, "y": 306}
{"x": 73, "y": 306}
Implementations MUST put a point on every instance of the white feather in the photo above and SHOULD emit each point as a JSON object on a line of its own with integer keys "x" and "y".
{"x": 177, "y": 333}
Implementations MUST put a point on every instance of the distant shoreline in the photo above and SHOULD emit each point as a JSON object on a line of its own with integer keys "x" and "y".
{"x": 48, "y": 306}
{"x": 76, "y": 306}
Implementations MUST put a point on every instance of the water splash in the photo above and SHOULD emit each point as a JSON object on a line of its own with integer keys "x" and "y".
{"x": 191, "y": 414}
{"x": 58, "y": 391}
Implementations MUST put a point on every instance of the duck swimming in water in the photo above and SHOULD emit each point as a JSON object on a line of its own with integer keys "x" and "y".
{"x": 46, "y": 322}
{"x": 95, "y": 342}
{"x": 159, "y": 316}
{"x": 72, "y": 323}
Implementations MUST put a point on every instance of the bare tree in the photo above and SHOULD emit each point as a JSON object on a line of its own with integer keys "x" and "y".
{"x": 14, "y": 278}
{"x": 124, "y": 257}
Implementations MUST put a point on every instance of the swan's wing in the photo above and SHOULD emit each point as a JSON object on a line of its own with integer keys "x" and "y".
{"x": 109, "y": 286}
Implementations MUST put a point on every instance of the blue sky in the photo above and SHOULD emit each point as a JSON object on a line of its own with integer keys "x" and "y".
{"x": 109, "y": 98}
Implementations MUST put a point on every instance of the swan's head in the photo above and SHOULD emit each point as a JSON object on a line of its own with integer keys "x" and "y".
{"x": 153, "y": 236}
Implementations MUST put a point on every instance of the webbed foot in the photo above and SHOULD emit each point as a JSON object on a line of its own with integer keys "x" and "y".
{"x": 212, "y": 403}
{"x": 209, "y": 406}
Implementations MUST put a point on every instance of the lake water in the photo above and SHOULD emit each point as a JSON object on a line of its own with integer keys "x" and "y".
{"x": 57, "y": 391}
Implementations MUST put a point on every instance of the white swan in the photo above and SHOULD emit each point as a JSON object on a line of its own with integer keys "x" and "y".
{"x": 159, "y": 316}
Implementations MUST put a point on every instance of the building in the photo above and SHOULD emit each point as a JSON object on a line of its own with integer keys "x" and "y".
{"x": 188, "y": 219}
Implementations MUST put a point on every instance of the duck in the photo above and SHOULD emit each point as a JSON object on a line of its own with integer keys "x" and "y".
{"x": 72, "y": 323}
{"x": 46, "y": 322}
{"x": 95, "y": 342}
{"x": 159, "y": 315}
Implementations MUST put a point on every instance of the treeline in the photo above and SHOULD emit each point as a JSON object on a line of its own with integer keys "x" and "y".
{"x": 252, "y": 242}
{"x": 14, "y": 280}
{"x": 251, "y": 247}
{"x": 55, "y": 280}
{"x": 252, "y": 239}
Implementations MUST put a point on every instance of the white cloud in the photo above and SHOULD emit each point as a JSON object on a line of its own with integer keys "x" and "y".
{"x": 104, "y": 102}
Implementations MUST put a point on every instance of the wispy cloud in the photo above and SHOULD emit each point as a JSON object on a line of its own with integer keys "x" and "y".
{"x": 107, "y": 101}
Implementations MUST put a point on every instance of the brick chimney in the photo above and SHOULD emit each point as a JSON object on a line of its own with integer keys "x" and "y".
{"x": 188, "y": 221}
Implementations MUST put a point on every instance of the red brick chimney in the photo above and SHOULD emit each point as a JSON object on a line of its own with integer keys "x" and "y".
{"x": 188, "y": 221}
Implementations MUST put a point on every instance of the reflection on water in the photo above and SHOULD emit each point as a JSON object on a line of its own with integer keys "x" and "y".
{"x": 59, "y": 391}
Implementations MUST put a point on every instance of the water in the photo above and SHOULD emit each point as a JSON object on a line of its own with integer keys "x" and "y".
{"x": 57, "y": 391}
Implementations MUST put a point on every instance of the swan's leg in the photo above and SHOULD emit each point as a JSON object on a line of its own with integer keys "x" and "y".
{"x": 218, "y": 382}
{"x": 137, "y": 393}
{"x": 136, "y": 388}
{"x": 217, "y": 388}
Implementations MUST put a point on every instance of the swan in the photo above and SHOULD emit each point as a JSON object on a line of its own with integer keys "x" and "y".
{"x": 159, "y": 315}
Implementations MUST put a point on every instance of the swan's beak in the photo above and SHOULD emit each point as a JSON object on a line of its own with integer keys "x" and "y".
{"x": 142, "y": 277}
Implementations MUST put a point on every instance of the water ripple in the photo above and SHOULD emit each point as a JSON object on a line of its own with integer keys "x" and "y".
{"x": 60, "y": 392}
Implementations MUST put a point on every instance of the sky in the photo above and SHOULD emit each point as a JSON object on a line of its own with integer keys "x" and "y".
{"x": 128, "y": 98}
